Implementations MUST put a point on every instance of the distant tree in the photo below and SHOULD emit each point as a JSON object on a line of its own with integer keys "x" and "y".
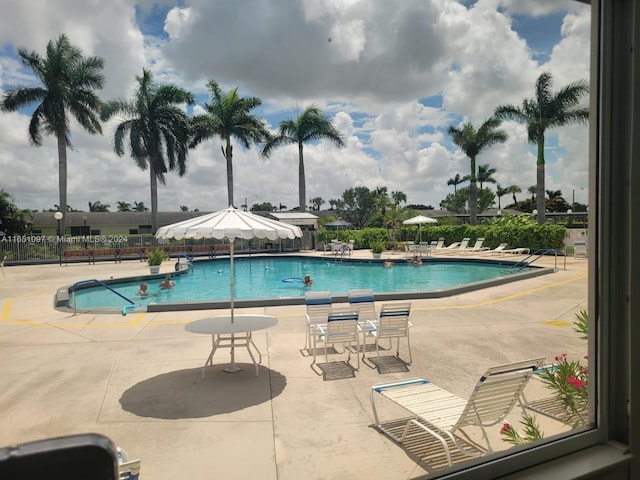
{"x": 124, "y": 207}
{"x": 358, "y": 206}
{"x": 13, "y": 220}
{"x": 485, "y": 174}
{"x": 472, "y": 142}
{"x": 184, "y": 208}
{"x": 547, "y": 110}
{"x": 98, "y": 206}
{"x": 310, "y": 126}
{"x": 67, "y": 83}
{"x": 533, "y": 189}
{"x": 398, "y": 197}
{"x": 419, "y": 206}
{"x": 455, "y": 181}
{"x": 228, "y": 116}
{"x": 157, "y": 128}
{"x": 139, "y": 207}
{"x": 556, "y": 202}
{"x": 282, "y": 207}
{"x": 513, "y": 189}
{"x": 456, "y": 202}
{"x": 500, "y": 192}
{"x": 316, "y": 203}
{"x": 262, "y": 207}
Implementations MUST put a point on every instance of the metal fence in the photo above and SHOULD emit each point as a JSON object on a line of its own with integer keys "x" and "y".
{"x": 49, "y": 249}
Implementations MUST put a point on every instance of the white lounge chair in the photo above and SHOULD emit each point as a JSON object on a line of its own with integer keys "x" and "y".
{"x": 443, "y": 415}
{"x": 476, "y": 247}
{"x": 341, "y": 327}
{"x": 392, "y": 323}
{"x": 496, "y": 251}
{"x": 318, "y": 307}
{"x": 457, "y": 247}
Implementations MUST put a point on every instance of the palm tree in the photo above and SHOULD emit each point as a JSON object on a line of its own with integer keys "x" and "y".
{"x": 472, "y": 142}
{"x": 311, "y": 126}
{"x": 68, "y": 82}
{"x": 547, "y": 110}
{"x": 228, "y": 115}
{"x": 139, "y": 207}
{"x": 500, "y": 192}
{"x": 316, "y": 203}
{"x": 398, "y": 197}
{"x": 533, "y": 190}
{"x": 513, "y": 189}
{"x": 98, "y": 206}
{"x": 455, "y": 181}
{"x": 124, "y": 207}
{"x": 485, "y": 174}
{"x": 158, "y": 130}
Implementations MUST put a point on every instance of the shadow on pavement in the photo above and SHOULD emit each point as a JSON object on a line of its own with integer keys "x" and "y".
{"x": 185, "y": 394}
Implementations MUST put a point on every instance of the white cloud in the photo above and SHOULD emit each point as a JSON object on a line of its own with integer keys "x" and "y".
{"x": 374, "y": 76}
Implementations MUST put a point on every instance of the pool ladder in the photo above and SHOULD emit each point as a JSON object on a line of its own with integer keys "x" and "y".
{"x": 538, "y": 254}
{"x": 99, "y": 282}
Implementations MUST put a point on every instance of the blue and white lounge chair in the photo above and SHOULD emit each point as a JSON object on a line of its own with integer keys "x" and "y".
{"x": 443, "y": 415}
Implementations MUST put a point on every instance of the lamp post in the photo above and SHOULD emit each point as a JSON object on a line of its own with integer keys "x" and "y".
{"x": 58, "y": 216}
{"x": 84, "y": 230}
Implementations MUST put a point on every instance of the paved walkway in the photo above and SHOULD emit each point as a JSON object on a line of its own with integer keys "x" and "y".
{"x": 137, "y": 379}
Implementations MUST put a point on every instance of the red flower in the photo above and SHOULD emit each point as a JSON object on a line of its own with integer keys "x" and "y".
{"x": 579, "y": 384}
{"x": 505, "y": 428}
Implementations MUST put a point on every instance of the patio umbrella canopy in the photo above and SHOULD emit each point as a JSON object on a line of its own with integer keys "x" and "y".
{"x": 419, "y": 220}
{"x": 229, "y": 223}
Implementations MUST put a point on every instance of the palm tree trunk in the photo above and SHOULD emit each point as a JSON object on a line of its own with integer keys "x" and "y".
{"x": 62, "y": 179}
{"x": 473, "y": 194}
{"x": 154, "y": 197}
{"x": 540, "y": 200}
{"x": 302, "y": 187}
{"x": 228, "y": 155}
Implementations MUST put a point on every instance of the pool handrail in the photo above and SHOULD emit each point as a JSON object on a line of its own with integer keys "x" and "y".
{"x": 99, "y": 282}
{"x": 538, "y": 254}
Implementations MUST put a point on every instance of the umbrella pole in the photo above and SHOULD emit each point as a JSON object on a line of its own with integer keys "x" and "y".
{"x": 232, "y": 368}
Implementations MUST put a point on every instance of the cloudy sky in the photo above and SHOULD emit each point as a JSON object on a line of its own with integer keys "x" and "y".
{"x": 391, "y": 74}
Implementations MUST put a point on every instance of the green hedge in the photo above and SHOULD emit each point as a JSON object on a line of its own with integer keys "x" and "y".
{"x": 516, "y": 231}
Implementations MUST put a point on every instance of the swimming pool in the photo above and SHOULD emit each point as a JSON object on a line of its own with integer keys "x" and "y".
{"x": 277, "y": 281}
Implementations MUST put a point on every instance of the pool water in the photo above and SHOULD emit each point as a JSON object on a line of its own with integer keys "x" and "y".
{"x": 269, "y": 277}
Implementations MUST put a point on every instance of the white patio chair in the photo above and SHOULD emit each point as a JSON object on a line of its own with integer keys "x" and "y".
{"x": 318, "y": 307}
{"x": 392, "y": 323}
{"x": 580, "y": 249}
{"x": 443, "y": 415}
{"x": 341, "y": 327}
{"x": 362, "y": 301}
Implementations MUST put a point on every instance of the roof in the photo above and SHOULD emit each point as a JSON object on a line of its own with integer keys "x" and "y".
{"x": 295, "y": 218}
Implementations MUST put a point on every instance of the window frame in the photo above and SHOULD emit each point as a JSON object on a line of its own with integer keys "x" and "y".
{"x": 613, "y": 152}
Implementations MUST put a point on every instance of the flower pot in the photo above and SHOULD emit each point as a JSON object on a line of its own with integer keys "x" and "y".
{"x": 154, "y": 268}
{"x": 377, "y": 255}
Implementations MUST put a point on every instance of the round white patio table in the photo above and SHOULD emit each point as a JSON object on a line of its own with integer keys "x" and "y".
{"x": 225, "y": 334}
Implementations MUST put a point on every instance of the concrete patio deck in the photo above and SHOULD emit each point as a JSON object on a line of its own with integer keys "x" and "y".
{"x": 137, "y": 379}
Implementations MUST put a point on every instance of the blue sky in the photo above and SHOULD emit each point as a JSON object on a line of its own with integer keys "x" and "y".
{"x": 394, "y": 76}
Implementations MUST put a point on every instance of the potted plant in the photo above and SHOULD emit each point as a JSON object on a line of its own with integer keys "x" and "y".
{"x": 377, "y": 248}
{"x": 155, "y": 259}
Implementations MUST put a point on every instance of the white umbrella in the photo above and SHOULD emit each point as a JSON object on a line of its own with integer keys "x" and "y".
{"x": 229, "y": 223}
{"x": 419, "y": 220}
